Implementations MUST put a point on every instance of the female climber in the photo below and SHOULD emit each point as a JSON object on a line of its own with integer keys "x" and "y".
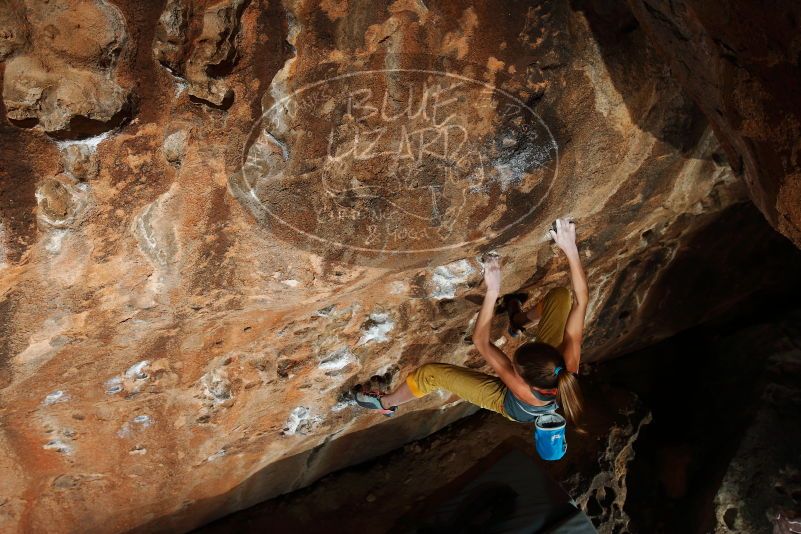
{"x": 539, "y": 373}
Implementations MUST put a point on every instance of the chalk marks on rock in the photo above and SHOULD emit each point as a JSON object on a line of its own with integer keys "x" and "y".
{"x": 301, "y": 421}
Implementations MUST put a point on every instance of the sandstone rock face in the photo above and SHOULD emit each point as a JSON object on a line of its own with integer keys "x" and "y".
{"x": 14, "y": 32}
{"x": 64, "y": 80}
{"x": 169, "y": 334}
{"x": 211, "y": 51}
{"x": 742, "y": 64}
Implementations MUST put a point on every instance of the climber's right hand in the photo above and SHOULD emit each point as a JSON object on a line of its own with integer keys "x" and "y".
{"x": 565, "y": 236}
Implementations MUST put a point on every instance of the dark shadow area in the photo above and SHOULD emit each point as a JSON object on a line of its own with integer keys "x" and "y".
{"x": 703, "y": 387}
{"x": 507, "y": 491}
{"x": 24, "y": 123}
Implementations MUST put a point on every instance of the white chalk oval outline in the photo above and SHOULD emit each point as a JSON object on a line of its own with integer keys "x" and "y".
{"x": 416, "y": 71}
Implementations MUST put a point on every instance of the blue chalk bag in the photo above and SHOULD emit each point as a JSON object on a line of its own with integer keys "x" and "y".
{"x": 549, "y": 436}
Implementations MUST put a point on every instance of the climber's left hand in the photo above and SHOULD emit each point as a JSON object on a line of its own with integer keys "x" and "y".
{"x": 492, "y": 274}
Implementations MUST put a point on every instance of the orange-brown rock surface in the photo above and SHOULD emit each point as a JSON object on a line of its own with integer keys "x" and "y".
{"x": 212, "y": 230}
{"x": 62, "y": 74}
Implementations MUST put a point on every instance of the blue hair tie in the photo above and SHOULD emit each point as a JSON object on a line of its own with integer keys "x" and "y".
{"x": 556, "y": 371}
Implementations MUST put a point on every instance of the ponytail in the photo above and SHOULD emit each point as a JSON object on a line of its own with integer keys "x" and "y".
{"x": 569, "y": 396}
{"x": 543, "y": 366}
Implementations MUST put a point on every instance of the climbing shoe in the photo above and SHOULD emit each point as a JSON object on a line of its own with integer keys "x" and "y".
{"x": 372, "y": 401}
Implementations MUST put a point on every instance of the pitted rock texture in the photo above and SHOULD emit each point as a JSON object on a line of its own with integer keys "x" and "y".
{"x": 203, "y": 350}
{"x": 605, "y": 497}
{"x": 63, "y": 76}
{"x": 742, "y": 65}
{"x": 200, "y": 50}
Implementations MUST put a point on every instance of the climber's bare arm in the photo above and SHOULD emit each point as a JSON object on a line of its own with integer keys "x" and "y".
{"x": 565, "y": 238}
{"x": 494, "y": 356}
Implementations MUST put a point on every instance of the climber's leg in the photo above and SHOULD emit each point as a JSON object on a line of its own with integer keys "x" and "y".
{"x": 531, "y": 316}
{"x": 554, "y": 309}
{"x": 473, "y": 386}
